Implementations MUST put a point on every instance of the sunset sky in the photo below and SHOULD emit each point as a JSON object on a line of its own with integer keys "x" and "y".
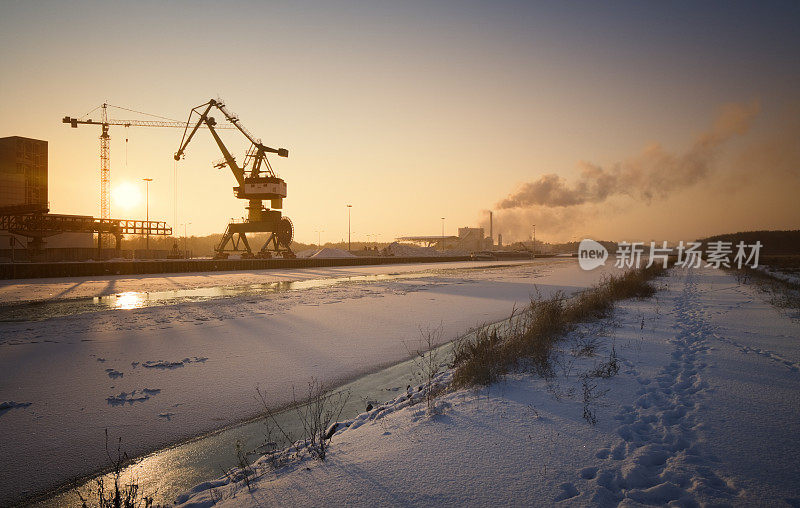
{"x": 654, "y": 121}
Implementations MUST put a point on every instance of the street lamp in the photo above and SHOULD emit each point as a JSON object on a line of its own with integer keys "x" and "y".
{"x": 147, "y": 208}
{"x": 348, "y": 226}
{"x": 185, "y": 240}
{"x": 319, "y": 242}
{"x": 534, "y": 240}
{"x": 442, "y": 234}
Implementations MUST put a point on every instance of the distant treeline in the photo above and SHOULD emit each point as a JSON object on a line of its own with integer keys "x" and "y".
{"x": 773, "y": 242}
{"x": 203, "y": 246}
{"x": 558, "y": 248}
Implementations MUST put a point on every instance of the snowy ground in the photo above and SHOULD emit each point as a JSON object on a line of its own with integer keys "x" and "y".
{"x": 704, "y": 410}
{"x": 161, "y": 374}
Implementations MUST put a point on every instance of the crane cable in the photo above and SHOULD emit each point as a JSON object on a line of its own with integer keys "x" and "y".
{"x": 141, "y": 113}
{"x": 126, "y": 146}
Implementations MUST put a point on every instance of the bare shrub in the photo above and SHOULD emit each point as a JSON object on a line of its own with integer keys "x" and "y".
{"x": 317, "y": 412}
{"x": 427, "y": 363}
{"x": 318, "y": 415}
{"x": 244, "y": 464}
{"x": 590, "y": 397}
{"x": 125, "y": 495}
{"x": 609, "y": 368}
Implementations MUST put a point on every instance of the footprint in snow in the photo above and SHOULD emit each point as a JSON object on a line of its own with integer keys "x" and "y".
{"x": 568, "y": 491}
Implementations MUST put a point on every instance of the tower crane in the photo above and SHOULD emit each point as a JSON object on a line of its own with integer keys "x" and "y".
{"x": 105, "y": 143}
{"x": 256, "y": 182}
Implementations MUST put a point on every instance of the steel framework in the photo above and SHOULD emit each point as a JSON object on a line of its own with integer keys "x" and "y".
{"x": 37, "y": 226}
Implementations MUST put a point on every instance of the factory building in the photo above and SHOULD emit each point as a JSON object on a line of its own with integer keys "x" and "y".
{"x": 472, "y": 239}
{"x": 23, "y": 171}
{"x": 23, "y": 189}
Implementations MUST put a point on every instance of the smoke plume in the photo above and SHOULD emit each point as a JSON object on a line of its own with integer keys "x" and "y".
{"x": 654, "y": 173}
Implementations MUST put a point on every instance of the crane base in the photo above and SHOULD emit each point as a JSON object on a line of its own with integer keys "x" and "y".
{"x": 235, "y": 240}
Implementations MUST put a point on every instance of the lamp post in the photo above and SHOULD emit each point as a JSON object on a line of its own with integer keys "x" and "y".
{"x": 147, "y": 212}
{"x": 185, "y": 240}
{"x": 348, "y": 226}
{"x": 319, "y": 241}
{"x": 442, "y": 234}
{"x": 534, "y": 240}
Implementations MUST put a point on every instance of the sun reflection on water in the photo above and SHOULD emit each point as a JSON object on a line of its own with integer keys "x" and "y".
{"x": 129, "y": 300}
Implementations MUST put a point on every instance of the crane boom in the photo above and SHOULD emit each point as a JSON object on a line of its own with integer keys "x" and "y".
{"x": 238, "y": 172}
{"x": 235, "y": 123}
{"x": 74, "y": 122}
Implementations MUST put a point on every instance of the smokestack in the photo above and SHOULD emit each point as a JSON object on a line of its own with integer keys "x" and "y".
{"x": 491, "y": 234}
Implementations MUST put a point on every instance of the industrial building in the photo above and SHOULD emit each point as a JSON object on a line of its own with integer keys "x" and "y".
{"x": 23, "y": 172}
{"x": 468, "y": 239}
{"x": 28, "y": 231}
{"x": 472, "y": 239}
{"x": 23, "y": 189}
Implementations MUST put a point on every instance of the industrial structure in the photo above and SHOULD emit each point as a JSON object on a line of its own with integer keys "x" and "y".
{"x": 105, "y": 143}
{"x": 468, "y": 239}
{"x": 23, "y": 172}
{"x": 256, "y": 181}
{"x": 25, "y": 218}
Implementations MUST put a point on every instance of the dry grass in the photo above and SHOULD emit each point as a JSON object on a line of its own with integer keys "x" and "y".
{"x": 527, "y": 339}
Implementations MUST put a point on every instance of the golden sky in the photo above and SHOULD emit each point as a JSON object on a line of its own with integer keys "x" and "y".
{"x": 413, "y": 111}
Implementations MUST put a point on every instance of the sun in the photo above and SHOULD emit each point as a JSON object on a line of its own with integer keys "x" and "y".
{"x": 126, "y": 195}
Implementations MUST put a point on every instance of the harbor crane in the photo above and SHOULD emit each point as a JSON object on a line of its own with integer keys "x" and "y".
{"x": 256, "y": 181}
{"x": 105, "y": 143}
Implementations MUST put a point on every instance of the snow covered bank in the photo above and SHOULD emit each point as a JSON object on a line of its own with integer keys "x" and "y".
{"x": 792, "y": 277}
{"x": 704, "y": 410}
{"x": 74, "y": 370}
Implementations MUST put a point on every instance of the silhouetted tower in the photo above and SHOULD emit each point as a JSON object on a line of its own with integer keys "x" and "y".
{"x": 105, "y": 166}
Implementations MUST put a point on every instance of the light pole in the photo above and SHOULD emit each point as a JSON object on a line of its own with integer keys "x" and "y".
{"x": 185, "y": 240}
{"x": 348, "y": 226}
{"x": 534, "y": 240}
{"x": 319, "y": 242}
{"x": 147, "y": 208}
{"x": 442, "y": 234}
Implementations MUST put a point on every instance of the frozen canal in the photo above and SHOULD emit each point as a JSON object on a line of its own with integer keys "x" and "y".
{"x": 159, "y": 359}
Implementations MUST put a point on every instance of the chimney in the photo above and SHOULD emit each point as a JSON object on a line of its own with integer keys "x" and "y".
{"x": 491, "y": 233}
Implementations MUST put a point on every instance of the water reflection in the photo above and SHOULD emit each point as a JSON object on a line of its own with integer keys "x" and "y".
{"x": 41, "y": 310}
{"x": 129, "y": 300}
